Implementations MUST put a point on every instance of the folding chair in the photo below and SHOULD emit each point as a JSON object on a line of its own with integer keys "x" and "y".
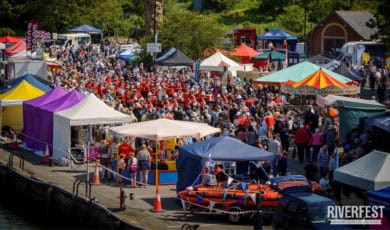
{"x": 74, "y": 162}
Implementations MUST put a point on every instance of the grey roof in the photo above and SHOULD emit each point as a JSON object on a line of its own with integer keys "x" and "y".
{"x": 357, "y": 21}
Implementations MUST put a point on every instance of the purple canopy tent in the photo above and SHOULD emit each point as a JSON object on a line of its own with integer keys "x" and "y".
{"x": 31, "y": 126}
{"x": 45, "y": 117}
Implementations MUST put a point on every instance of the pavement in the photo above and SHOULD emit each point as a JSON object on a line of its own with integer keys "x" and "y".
{"x": 138, "y": 210}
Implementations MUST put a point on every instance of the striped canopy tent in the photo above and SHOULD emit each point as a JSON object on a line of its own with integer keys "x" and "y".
{"x": 245, "y": 52}
{"x": 320, "y": 83}
{"x": 296, "y": 73}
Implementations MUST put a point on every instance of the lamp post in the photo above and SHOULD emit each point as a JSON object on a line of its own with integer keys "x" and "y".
{"x": 154, "y": 33}
{"x": 234, "y": 30}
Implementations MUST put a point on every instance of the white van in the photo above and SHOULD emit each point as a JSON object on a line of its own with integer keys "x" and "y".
{"x": 73, "y": 39}
{"x": 354, "y": 51}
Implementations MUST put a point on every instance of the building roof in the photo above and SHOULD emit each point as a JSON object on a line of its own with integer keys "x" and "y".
{"x": 357, "y": 21}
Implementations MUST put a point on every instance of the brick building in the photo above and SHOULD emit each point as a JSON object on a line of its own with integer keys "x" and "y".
{"x": 328, "y": 36}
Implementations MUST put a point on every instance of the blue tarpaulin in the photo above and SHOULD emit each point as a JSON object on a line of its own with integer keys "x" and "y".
{"x": 276, "y": 34}
{"x": 193, "y": 157}
{"x": 36, "y": 81}
{"x": 85, "y": 29}
{"x": 379, "y": 197}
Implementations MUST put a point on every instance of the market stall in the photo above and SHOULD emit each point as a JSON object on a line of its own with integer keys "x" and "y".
{"x": 350, "y": 110}
{"x": 192, "y": 157}
{"x": 164, "y": 129}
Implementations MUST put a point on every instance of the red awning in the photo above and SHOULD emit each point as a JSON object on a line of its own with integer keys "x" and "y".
{"x": 18, "y": 47}
{"x": 10, "y": 39}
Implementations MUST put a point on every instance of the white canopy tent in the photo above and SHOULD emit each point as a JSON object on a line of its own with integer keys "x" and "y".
{"x": 89, "y": 111}
{"x": 370, "y": 172}
{"x": 218, "y": 61}
{"x": 164, "y": 129}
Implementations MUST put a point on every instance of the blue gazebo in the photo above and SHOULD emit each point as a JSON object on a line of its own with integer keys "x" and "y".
{"x": 96, "y": 34}
{"x": 85, "y": 29}
{"x": 277, "y": 36}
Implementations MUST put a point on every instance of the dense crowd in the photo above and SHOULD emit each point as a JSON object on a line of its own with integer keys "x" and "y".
{"x": 258, "y": 115}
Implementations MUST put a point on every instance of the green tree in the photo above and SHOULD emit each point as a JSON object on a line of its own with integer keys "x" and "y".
{"x": 293, "y": 20}
{"x": 189, "y": 32}
{"x": 383, "y": 23}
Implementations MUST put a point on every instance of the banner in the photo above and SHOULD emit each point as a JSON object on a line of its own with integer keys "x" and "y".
{"x": 34, "y": 35}
{"x": 29, "y": 35}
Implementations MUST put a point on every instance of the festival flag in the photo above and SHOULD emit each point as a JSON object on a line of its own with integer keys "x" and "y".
{"x": 34, "y": 36}
{"x": 229, "y": 181}
{"x": 198, "y": 199}
{"x": 253, "y": 197}
{"x": 29, "y": 35}
{"x": 212, "y": 204}
{"x": 183, "y": 204}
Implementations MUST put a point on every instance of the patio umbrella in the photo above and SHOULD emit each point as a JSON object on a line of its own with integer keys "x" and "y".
{"x": 318, "y": 83}
{"x": 164, "y": 129}
{"x": 245, "y": 52}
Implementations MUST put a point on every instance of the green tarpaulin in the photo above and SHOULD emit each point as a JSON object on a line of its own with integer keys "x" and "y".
{"x": 275, "y": 55}
{"x": 351, "y": 110}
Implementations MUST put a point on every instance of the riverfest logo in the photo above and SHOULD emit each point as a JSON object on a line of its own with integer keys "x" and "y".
{"x": 355, "y": 214}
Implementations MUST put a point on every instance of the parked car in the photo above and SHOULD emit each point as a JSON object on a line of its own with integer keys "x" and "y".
{"x": 303, "y": 210}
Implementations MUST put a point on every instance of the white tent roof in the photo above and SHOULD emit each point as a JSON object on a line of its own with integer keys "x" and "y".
{"x": 93, "y": 111}
{"x": 331, "y": 99}
{"x": 89, "y": 111}
{"x": 163, "y": 129}
{"x": 218, "y": 61}
{"x": 370, "y": 172}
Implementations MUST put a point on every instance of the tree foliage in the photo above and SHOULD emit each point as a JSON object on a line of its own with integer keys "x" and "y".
{"x": 189, "y": 32}
{"x": 383, "y": 23}
{"x": 293, "y": 20}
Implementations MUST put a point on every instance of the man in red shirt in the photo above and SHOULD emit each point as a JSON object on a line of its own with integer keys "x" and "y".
{"x": 301, "y": 139}
{"x": 125, "y": 148}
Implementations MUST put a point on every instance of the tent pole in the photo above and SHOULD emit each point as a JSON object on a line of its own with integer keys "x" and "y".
{"x": 88, "y": 150}
{"x": 156, "y": 170}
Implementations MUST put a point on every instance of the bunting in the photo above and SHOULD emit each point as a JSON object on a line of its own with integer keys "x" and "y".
{"x": 183, "y": 204}
{"x": 243, "y": 185}
{"x": 199, "y": 199}
{"x": 212, "y": 204}
{"x": 230, "y": 180}
{"x": 253, "y": 197}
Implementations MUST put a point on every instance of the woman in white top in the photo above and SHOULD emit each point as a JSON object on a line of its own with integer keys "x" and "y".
{"x": 133, "y": 168}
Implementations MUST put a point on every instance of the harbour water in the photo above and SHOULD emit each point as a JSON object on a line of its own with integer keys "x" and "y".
{"x": 11, "y": 220}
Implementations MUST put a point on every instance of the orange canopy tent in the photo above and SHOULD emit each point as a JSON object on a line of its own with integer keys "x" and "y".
{"x": 320, "y": 83}
{"x": 245, "y": 52}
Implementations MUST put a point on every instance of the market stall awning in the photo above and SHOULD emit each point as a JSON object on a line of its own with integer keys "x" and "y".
{"x": 273, "y": 55}
{"x": 164, "y": 129}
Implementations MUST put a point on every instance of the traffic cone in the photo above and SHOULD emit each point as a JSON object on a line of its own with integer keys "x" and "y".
{"x": 96, "y": 179}
{"x": 157, "y": 202}
{"x": 46, "y": 158}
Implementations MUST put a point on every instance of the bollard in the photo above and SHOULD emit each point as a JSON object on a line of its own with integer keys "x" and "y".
{"x": 258, "y": 217}
{"x": 121, "y": 199}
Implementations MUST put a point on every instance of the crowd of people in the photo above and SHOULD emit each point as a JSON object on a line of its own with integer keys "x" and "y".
{"x": 258, "y": 115}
